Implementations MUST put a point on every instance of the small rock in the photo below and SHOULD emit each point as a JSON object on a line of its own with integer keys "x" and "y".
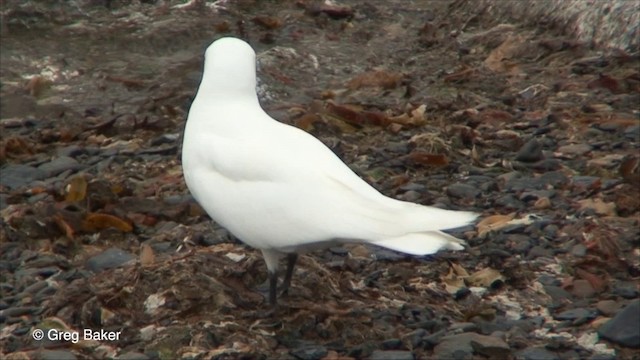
{"x": 582, "y": 289}
{"x": 59, "y": 165}
{"x": 311, "y": 352}
{"x": 575, "y": 314}
{"x": 627, "y": 291}
{"x": 133, "y": 355}
{"x": 509, "y": 201}
{"x": 623, "y": 329}
{"x": 391, "y": 344}
{"x": 530, "y": 152}
{"x": 463, "y": 191}
{"x": 15, "y": 176}
{"x": 414, "y": 338}
{"x": 391, "y": 355}
{"x": 579, "y": 250}
{"x": 608, "y": 307}
{"x": 463, "y": 346}
{"x": 110, "y": 258}
{"x": 55, "y": 355}
{"x": 519, "y": 243}
{"x": 557, "y": 293}
{"x": 536, "y": 353}
{"x": 575, "y": 149}
{"x": 542, "y": 203}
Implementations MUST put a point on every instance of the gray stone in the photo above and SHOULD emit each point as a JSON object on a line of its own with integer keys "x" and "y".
{"x": 624, "y": 328}
{"x": 55, "y": 355}
{"x": 530, "y": 152}
{"x": 536, "y": 353}
{"x": 311, "y": 352}
{"x": 463, "y": 191}
{"x": 59, "y": 165}
{"x": 463, "y": 346}
{"x": 391, "y": 355}
{"x": 575, "y": 314}
{"x": 133, "y": 355}
{"x": 14, "y": 176}
{"x": 108, "y": 259}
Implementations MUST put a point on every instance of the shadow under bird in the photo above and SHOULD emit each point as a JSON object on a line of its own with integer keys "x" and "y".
{"x": 281, "y": 190}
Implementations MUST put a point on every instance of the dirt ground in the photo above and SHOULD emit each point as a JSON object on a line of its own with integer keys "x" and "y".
{"x": 536, "y": 131}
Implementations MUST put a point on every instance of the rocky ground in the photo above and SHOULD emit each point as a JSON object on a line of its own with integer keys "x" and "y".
{"x": 429, "y": 104}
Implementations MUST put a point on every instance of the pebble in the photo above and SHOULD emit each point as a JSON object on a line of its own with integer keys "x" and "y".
{"x": 391, "y": 355}
{"x": 17, "y": 175}
{"x": 530, "y": 152}
{"x": 463, "y": 191}
{"x": 509, "y": 201}
{"x": 415, "y": 338}
{"x": 59, "y": 165}
{"x": 55, "y": 355}
{"x": 608, "y": 307}
{"x": 536, "y": 353}
{"x": 463, "y": 346}
{"x": 623, "y": 328}
{"x": 110, "y": 258}
{"x": 310, "y": 352}
{"x": 582, "y": 289}
{"x": 579, "y": 250}
{"x": 627, "y": 291}
{"x": 557, "y": 293}
{"x": 133, "y": 355}
{"x": 392, "y": 344}
{"x": 575, "y": 149}
{"x": 519, "y": 243}
{"x": 575, "y": 314}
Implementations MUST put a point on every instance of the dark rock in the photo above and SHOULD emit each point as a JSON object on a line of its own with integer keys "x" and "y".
{"x": 391, "y": 355}
{"x": 632, "y": 133}
{"x": 530, "y": 152}
{"x": 59, "y": 165}
{"x": 557, "y": 293}
{"x": 536, "y": 353}
{"x": 391, "y": 344}
{"x": 509, "y": 201}
{"x": 549, "y": 280}
{"x": 133, "y": 355}
{"x": 463, "y": 191}
{"x": 627, "y": 291}
{"x": 579, "y": 250}
{"x": 546, "y": 165}
{"x": 110, "y": 258}
{"x": 15, "y": 176}
{"x": 463, "y": 346}
{"x": 623, "y": 329}
{"x": 75, "y": 151}
{"x": 310, "y": 352}
{"x": 575, "y": 314}
{"x": 18, "y": 311}
{"x": 519, "y": 243}
{"x": 536, "y": 194}
{"x": 415, "y": 337}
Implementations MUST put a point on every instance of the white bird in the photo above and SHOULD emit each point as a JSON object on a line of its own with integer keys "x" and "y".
{"x": 281, "y": 190}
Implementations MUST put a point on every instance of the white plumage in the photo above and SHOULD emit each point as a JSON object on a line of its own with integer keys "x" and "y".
{"x": 279, "y": 189}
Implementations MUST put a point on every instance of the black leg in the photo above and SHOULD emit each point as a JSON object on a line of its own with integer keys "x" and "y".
{"x": 291, "y": 263}
{"x": 273, "y": 285}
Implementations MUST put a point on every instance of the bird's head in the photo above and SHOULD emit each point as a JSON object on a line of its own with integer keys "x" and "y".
{"x": 229, "y": 68}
